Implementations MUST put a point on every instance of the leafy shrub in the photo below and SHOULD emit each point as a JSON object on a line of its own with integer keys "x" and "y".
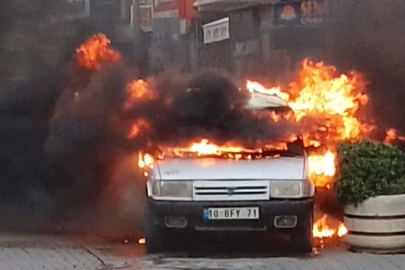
{"x": 367, "y": 169}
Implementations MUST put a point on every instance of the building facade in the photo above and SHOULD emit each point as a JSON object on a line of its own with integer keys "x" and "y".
{"x": 37, "y": 33}
{"x": 266, "y": 39}
{"x": 172, "y": 43}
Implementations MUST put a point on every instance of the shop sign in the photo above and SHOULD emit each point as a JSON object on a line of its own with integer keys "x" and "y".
{"x": 300, "y": 13}
{"x": 146, "y": 18}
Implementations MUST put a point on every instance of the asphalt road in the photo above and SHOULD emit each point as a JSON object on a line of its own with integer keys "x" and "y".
{"x": 28, "y": 251}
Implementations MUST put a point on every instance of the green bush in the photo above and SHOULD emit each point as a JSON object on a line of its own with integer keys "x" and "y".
{"x": 367, "y": 169}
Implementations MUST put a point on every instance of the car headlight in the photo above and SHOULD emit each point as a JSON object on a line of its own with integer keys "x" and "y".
{"x": 291, "y": 189}
{"x": 172, "y": 190}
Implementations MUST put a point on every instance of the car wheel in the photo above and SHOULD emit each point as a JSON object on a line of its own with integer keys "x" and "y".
{"x": 302, "y": 237}
{"x": 153, "y": 233}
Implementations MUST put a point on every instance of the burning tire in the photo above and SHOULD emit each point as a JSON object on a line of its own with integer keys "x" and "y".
{"x": 301, "y": 237}
{"x": 153, "y": 233}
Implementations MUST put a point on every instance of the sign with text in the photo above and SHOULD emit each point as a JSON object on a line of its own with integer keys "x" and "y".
{"x": 146, "y": 18}
{"x": 164, "y": 5}
{"x": 216, "y": 31}
{"x": 300, "y": 13}
{"x": 70, "y": 10}
{"x": 165, "y": 9}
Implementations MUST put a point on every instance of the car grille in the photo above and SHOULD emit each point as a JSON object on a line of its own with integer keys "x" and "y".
{"x": 231, "y": 190}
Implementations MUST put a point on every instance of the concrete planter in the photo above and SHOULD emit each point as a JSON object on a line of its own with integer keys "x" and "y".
{"x": 377, "y": 225}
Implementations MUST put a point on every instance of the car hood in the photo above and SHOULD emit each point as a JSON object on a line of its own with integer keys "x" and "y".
{"x": 285, "y": 168}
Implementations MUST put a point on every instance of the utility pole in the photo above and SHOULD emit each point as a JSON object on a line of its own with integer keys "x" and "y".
{"x": 87, "y": 7}
{"x": 135, "y": 22}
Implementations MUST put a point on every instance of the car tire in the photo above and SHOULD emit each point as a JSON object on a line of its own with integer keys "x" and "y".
{"x": 153, "y": 233}
{"x": 302, "y": 237}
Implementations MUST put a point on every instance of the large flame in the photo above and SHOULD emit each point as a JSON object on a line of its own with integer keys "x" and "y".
{"x": 95, "y": 52}
{"x": 326, "y": 104}
{"x": 334, "y": 98}
{"x": 333, "y": 102}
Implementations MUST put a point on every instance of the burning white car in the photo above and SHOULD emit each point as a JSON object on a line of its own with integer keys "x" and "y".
{"x": 214, "y": 189}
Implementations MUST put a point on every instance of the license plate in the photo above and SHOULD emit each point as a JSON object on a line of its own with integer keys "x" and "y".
{"x": 231, "y": 213}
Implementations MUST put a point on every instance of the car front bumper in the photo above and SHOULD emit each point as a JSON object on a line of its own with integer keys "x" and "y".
{"x": 193, "y": 212}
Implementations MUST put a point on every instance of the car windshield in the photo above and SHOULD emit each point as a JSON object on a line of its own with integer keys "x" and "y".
{"x": 275, "y": 150}
{"x": 259, "y": 103}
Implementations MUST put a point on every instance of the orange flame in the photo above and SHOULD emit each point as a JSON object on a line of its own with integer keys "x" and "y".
{"x": 323, "y": 102}
{"x": 139, "y": 126}
{"x": 138, "y": 90}
{"x": 322, "y": 230}
{"x": 320, "y": 93}
{"x": 333, "y": 101}
{"x": 326, "y": 104}
{"x": 145, "y": 160}
{"x": 392, "y": 136}
{"x": 141, "y": 241}
{"x": 205, "y": 148}
{"x": 95, "y": 52}
{"x": 323, "y": 164}
{"x": 342, "y": 230}
{"x": 322, "y": 168}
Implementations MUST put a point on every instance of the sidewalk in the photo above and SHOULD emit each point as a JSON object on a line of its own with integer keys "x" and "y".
{"x": 25, "y": 252}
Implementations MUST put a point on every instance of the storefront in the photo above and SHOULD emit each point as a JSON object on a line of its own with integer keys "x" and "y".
{"x": 171, "y": 44}
{"x": 293, "y": 30}
{"x": 267, "y": 40}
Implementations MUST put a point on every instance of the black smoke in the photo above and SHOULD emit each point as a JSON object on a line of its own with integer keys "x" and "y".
{"x": 59, "y": 152}
{"x": 89, "y": 132}
{"x": 367, "y": 37}
{"x": 26, "y": 177}
{"x": 210, "y": 105}
{"x": 34, "y": 71}
{"x": 30, "y": 87}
